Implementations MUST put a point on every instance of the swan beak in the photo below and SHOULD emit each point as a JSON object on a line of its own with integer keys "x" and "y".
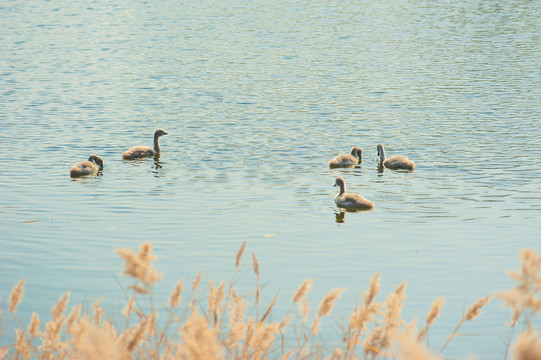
{"x": 164, "y": 133}
{"x": 334, "y": 185}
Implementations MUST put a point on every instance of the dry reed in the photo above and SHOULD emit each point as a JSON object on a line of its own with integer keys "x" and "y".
{"x": 473, "y": 312}
{"x": 327, "y": 304}
{"x": 239, "y": 254}
{"x": 174, "y": 298}
{"x": 16, "y": 296}
{"x": 433, "y": 313}
{"x": 524, "y": 296}
{"x": 303, "y": 290}
{"x": 231, "y": 329}
{"x": 527, "y": 346}
{"x": 198, "y": 341}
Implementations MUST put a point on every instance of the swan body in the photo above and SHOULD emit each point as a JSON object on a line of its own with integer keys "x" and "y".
{"x": 90, "y": 167}
{"x": 395, "y": 162}
{"x": 350, "y": 200}
{"x": 138, "y": 152}
{"x": 346, "y": 160}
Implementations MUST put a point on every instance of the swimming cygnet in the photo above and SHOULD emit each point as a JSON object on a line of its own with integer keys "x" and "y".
{"x": 350, "y": 200}
{"x": 346, "y": 160}
{"x": 137, "y": 152}
{"x": 395, "y": 162}
{"x": 89, "y": 167}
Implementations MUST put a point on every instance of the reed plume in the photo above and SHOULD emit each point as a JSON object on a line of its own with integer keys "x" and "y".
{"x": 255, "y": 266}
{"x": 33, "y": 327}
{"x": 60, "y": 307}
{"x": 22, "y": 348}
{"x": 232, "y": 331}
{"x": 174, "y": 298}
{"x": 98, "y": 312}
{"x": 431, "y": 317}
{"x": 16, "y": 296}
{"x": 199, "y": 341}
{"x": 129, "y": 307}
{"x": 197, "y": 280}
{"x": 301, "y": 292}
{"x": 95, "y": 342}
{"x": 527, "y": 346}
{"x": 524, "y": 296}
{"x": 73, "y": 319}
{"x": 360, "y": 317}
{"x": 409, "y": 349}
{"x": 139, "y": 266}
{"x": 327, "y": 304}
{"x": 374, "y": 289}
{"x": 239, "y": 254}
{"x": 473, "y": 312}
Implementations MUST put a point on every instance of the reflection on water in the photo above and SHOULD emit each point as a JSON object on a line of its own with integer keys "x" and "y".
{"x": 262, "y": 106}
{"x": 91, "y": 177}
{"x": 340, "y": 216}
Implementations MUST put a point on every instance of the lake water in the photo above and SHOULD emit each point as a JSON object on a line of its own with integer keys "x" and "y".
{"x": 257, "y": 97}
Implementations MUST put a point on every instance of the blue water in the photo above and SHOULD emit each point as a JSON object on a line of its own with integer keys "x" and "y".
{"x": 257, "y": 97}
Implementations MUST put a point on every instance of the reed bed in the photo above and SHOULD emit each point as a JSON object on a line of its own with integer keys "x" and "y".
{"x": 223, "y": 324}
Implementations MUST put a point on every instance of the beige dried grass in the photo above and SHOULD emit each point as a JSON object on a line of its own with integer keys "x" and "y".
{"x": 524, "y": 296}
{"x": 360, "y": 317}
{"x": 527, "y": 346}
{"x": 97, "y": 311}
{"x": 257, "y": 338}
{"x": 98, "y": 342}
{"x": 409, "y": 349}
{"x": 374, "y": 288}
{"x": 73, "y": 319}
{"x": 239, "y": 254}
{"x": 16, "y": 296}
{"x": 327, "y": 304}
{"x": 60, "y": 307}
{"x": 33, "y": 327}
{"x": 174, "y": 298}
{"x": 304, "y": 307}
{"x": 301, "y": 292}
{"x": 315, "y": 327}
{"x": 433, "y": 313}
{"x": 473, "y": 312}
{"x": 139, "y": 266}
{"x": 198, "y": 341}
{"x": 255, "y": 267}
{"x": 197, "y": 280}
{"x": 129, "y": 307}
{"x": 22, "y": 348}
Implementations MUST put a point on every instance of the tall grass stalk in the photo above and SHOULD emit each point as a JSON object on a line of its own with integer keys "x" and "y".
{"x": 226, "y": 326}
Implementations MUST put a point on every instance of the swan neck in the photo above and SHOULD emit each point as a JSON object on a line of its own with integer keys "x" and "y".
{"x": 157, "y": 143}
{"x": 342, "y": 188}
{"x": 381, "y": 155}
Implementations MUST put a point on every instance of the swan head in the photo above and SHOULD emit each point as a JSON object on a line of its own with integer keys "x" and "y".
{"x": 380, "y": 149}
{"x": 357, "y": 152}
{"x": 159, "y": 133}
{"x": 96, "y": 160}
{"x": 339, "y": 181}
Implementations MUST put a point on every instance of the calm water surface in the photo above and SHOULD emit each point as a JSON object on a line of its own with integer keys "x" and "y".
{"x": 257, "y": 97}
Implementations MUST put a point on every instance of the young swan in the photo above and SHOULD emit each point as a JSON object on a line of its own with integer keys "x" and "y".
{"x": 89, "y": 167}
{"x": 346, "y": 160}
{"x": 350, "y": 200}
{"x": 137, "y": 152}
{"x": 395, "y": 162}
